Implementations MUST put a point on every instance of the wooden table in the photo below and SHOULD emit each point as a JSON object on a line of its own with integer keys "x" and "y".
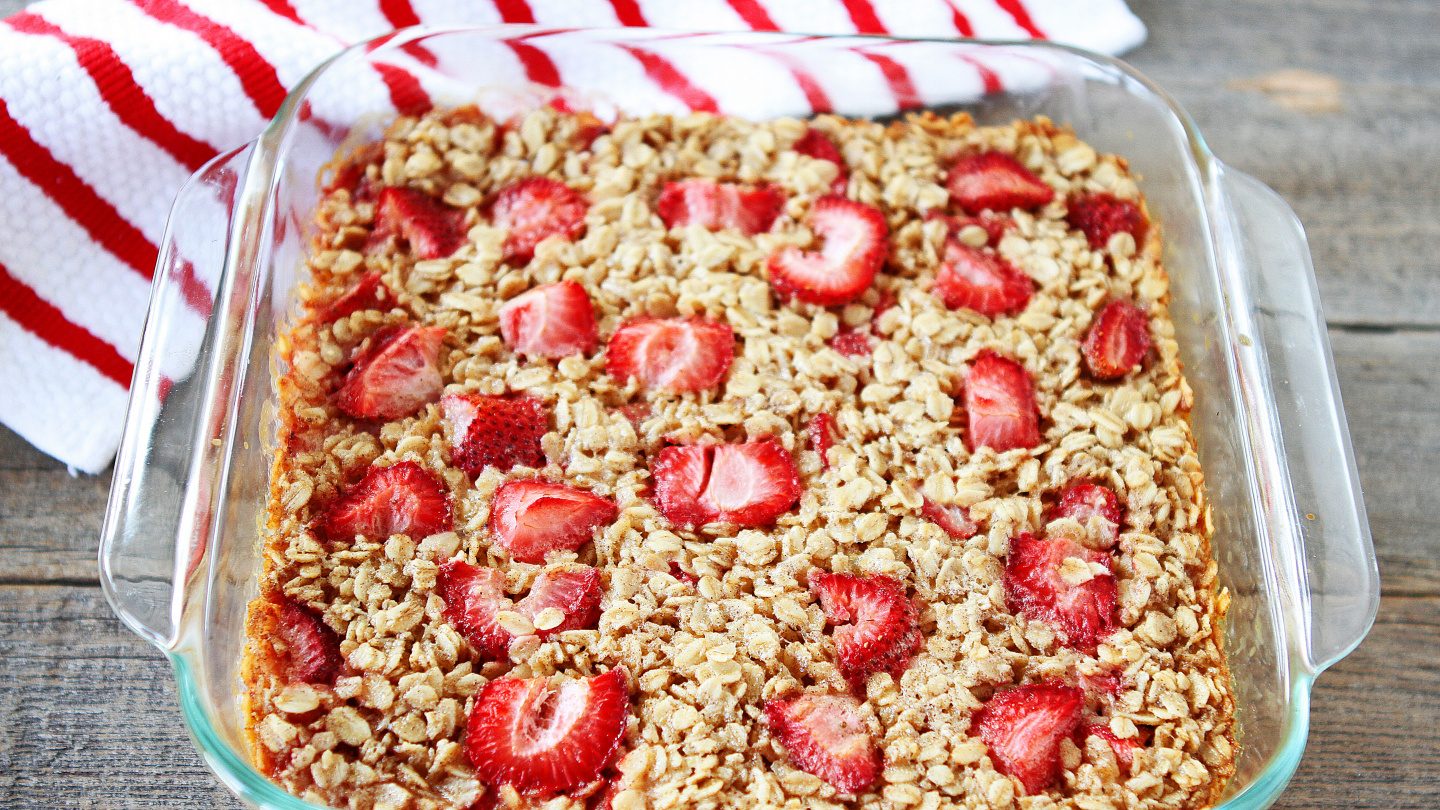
{"x": 88, "y": 714}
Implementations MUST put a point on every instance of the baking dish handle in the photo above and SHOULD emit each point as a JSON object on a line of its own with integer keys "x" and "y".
{"x": 1335, "y": 556}
{"x": 156, "y": 522}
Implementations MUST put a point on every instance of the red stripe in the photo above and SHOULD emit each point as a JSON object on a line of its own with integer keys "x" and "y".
{"x": 1017, "y": 12}
{"x": 399, "y": 13}
{"x": 257, "y": 76}
{"x": 960, "y": 21}
{"x": 120, "y": 92}
{"x": 628, "y": 13}
{"x": 754, "y": 15}
{"x": 815, "y": 95}
{"x": 539, "y": 67}
{"x": 192, "y": 289}
{"x": 863, "y": 15}
{"x": 514, "y": 11}
{"x": 74, "y": 196}
{"x": 672, "y": 81}
{"x": 988, "y": 77}
{"x": 897, "y": 77}
{"x": 420, "y": 53}
{"x": 43, "y": 320}
{"x": 406, "y": 93}
{"x": 284, "y": 9}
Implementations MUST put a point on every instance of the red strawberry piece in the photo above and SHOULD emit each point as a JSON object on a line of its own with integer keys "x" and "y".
{"x": 825, "y": 735}
{"x": 1105, "y": 684}
{"x": 876, "y": 627}
{"x": 955, "y": 520}
{"x": 1023, "y": 728}
{"x": 672, "y": 354}
{"x": 852, "y": 249}
{"x": 1101, "y": 216}
{"x": 369, "y": 293}
{"x": 1083, "y": 500}
{"x": 818, "y": 145}
{"x": 713, "y": 205}
{"x": 636, "y": 412}
{"x": 1124, "y": 748}
{"x": 552, "y": 320}
{"x": 976, "y": 279}
{"x": 749, "y": 484}
{"x": 852, "y": 342}
{"x": 532, "y": 518}
{"x": 312, "y": 649}
{"x": 1084, "y": 613}
{"x": 576, "y": 592}
{"x": 534, "y": 209}
{"x": 995, "y": 225}
{"x": 473, "y": 597}
{"x": 395, "y": 376}
{"x": 433, "y": 229}
{"x": 403, "y": 498}
{"x": 681, "y": 574}
{"x": 539, "y": 738}
{"x": 1000, "y": 404}
{"x": 491, "y": 431}
{"x": 822, "y": 432}
{"x": 1117, "y": 342}
{"x": 996, "y": 181}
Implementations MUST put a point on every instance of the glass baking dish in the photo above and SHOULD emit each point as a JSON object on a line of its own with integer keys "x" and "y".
{"x": 180, "y": 551}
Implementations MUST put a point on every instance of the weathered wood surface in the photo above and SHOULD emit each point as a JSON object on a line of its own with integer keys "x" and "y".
{"x": 88, "y": 715}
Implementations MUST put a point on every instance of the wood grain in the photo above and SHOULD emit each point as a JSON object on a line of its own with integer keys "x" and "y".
{"x": 88, "y": 713}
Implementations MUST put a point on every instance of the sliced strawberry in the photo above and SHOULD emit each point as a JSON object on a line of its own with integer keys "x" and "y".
{"x": 636, "y": 413}
{"x": 1117, "y": 342}
{"x": 531, "y": 518}
{"x": 1084, "y": 613}
{"x": 818, "y": 145}
{"x": 369, "y": 293}
{"x": 1000, "y": 404}
{"x": 1083, "y": 500}
{"x": 534, "y": 209}
{"x": 1023, "y": 728}
{"x": 395, "y": 376}
{"x": 403, "y": 498}
{"x": 1102, "y": 686}
{"x": 822, "y": 436}
{"x": 672, "y": 354}
{"x": 982, "y": 281}
{"x": 853, "y": 247}
{"x": 955, "y": 520}
{"x": 714, "y": 205}
{"x": 552, "y": 320}
{"x": 997, "y": 181}
{"x": 1124, "y": 748}
{"x": 433, "y": 229}
{"x": 876, "y": 628}
{"x": 576, "y": 592}
{"x": 473, "y": 597}
{"x": 490, "y": 431}
{"x": 825, "y": 735}
{"x": 852, "y": 342}
{"x": 539, "y": 738}
{"x": 1101, "y": 216}
{"x": 995, "y": 225}
{"x": 312, "y": 649}
{"x": 749, "y": 484}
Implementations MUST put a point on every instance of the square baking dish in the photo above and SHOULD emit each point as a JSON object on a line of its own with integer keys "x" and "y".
{"x": 180, "y": 547}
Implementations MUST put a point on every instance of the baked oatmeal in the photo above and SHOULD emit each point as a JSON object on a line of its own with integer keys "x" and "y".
{"x": 700, "y": 462}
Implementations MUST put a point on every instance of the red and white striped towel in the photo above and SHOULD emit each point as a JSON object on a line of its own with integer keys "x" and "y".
{"x": 107, "y": 106}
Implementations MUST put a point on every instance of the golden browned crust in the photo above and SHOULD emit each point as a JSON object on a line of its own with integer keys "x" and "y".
{"x": 704, "y": 658}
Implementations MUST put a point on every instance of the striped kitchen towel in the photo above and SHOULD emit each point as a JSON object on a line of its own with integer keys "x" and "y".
{"x": 107, "y": 106}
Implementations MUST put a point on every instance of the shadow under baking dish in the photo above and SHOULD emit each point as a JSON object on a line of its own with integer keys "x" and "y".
{"x": 180, "y": 550}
